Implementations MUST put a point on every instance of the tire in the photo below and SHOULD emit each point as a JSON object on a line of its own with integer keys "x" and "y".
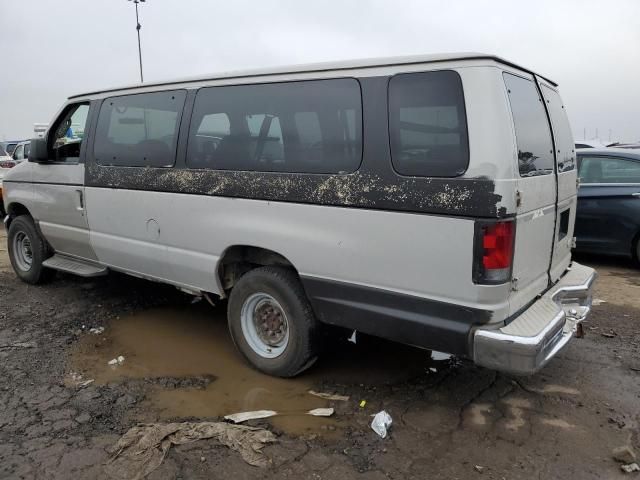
{"x": 27, "y": 251}
{"x": 635, "y": 250}
{"x": 274, "y": 295}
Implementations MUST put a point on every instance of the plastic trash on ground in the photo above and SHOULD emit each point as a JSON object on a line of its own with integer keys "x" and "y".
{"x": 439, "y": 356}
{"x": 144, "y": 447}
{"x": 381, "y": 422}
{"x": 632, "y": 467}
{"x": 116, "y": 361}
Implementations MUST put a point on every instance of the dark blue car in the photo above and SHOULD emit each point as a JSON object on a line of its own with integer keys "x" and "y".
{"x": 608, "y": 213}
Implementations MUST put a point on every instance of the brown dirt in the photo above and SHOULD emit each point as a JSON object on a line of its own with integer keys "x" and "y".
{"x": 457, "y": 422}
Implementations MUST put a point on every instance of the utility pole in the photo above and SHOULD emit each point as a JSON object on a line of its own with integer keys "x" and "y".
{"x": 138, "y": 27}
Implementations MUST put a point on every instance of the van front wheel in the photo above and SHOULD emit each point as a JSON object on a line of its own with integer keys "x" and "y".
{"x": 27, "y": 251}
{"x": 272, "y": 323}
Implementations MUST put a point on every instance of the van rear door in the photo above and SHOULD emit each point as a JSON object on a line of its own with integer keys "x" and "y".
{"x": 567, "y": 180}
{"x": 536, "y": 190}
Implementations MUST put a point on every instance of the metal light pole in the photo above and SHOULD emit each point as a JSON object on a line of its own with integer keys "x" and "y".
{"x": 138, "y": 27}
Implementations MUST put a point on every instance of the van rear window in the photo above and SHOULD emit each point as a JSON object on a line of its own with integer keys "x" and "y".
{"x": 533, "y": 138}
{"x": 428, "y": 125}
{"x": 298, "y": 127}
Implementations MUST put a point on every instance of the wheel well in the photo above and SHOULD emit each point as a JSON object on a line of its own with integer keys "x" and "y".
{"x": 15, "y": 210}
{"x": 239, "y": 259}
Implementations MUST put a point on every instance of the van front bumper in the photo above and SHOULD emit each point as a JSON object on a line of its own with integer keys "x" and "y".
{"x": 534, "y": 337}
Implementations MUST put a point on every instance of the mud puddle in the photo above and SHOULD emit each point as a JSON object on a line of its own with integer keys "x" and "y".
{"x": 190, "y": 348}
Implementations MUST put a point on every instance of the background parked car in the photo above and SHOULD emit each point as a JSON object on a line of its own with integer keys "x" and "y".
{"x": 589, "y": 144}
{"x": 21, "y": 151}
{"x": 20, "y": 154}
{"x": 626, "y": 145}
{"x": 608, "y": 214}
{"x": 9, "y": 145}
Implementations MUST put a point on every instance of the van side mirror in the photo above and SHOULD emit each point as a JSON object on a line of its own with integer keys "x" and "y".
{"x": 38, "y": 152}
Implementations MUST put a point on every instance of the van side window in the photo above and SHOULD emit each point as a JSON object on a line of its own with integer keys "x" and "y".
{"x": 533, "y": 138}
{"x": 139, "y": 130}
{"x": 428, "y": 124}
{"x": 68, "y": 133}
{"x": 299, "y": 127}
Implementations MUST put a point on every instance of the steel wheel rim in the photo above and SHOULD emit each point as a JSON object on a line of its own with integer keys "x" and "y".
{"x": 264, "y": 325}
{"x": 22, "y": 251}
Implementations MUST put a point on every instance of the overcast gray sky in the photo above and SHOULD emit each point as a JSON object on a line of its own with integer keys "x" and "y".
{"x": 52, "y": 49}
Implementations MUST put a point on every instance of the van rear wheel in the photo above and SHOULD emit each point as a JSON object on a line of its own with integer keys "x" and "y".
{"x": 27, "y": 251}
{"x": 272, "y": 323}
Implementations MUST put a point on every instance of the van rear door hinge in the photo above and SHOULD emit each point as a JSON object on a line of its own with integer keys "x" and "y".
{"x": 518, "y": 198}
{"x": 514, "y": 284}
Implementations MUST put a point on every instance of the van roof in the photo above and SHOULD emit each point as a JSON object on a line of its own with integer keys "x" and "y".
{"x": 324, "y": 67}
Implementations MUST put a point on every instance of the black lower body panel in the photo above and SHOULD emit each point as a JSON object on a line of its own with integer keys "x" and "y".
{"x": 403, "y": 318}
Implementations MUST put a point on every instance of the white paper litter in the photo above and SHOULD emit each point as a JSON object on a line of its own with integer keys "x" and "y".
{"x": 78, "y": 380}
{"x": 329, "y": 396}
{"x": 632, "y": 467}
{"x": 244, "y": 416}
{"x": 321, "y": 412}
{"x": 598, "y": 301}
{"x": 257, "y": 414}
{"x": 439, "y": 356}
{"x": 96, "y": 330}
{"x": 352, "y": 338}
{"x": 116, "y": 361}
{"x": 381, "y": 422}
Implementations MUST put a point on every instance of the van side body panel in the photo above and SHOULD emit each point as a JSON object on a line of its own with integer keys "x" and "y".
{"x": 335, "y": 250}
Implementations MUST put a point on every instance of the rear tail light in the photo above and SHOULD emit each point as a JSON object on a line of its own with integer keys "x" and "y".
{"x": 7, "y": 164}
{"x": 493, "y": 252}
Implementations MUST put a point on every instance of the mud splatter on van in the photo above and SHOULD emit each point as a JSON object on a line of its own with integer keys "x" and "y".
{"x": 364, "y": 189}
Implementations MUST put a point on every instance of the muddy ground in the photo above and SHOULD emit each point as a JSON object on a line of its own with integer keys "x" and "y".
{"x": 450, "y": 419}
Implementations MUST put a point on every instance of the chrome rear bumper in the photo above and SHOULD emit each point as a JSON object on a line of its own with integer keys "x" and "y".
{"x": 528, "y": 342}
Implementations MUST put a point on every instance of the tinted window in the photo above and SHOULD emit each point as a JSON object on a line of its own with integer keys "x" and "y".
{"x": 535, "y": 150}
{"x": 139, "y": 130}
{"x": 609, "y": 170}
{"x": 68, "y": 133}
{"x": 565, "y": 155}
{"x": 303, "y": 127}
{"x": 428, "y": 125}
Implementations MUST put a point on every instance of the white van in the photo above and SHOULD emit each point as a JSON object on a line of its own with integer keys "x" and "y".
{"x": 429, "y": 200}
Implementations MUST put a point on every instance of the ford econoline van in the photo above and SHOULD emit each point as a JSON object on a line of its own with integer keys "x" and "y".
{"x": 428, "y": 200}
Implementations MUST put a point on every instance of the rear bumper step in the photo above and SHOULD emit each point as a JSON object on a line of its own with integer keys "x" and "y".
{"x": 75, "y": 266}
{"x": 526, "y": 344}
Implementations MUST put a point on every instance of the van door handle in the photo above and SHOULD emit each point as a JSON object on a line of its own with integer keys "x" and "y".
{"x": 80, "y": 206}
{"x": 637, "y": 194}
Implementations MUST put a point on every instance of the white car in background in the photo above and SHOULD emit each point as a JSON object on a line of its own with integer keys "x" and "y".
{"x": 20, "y": 154}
